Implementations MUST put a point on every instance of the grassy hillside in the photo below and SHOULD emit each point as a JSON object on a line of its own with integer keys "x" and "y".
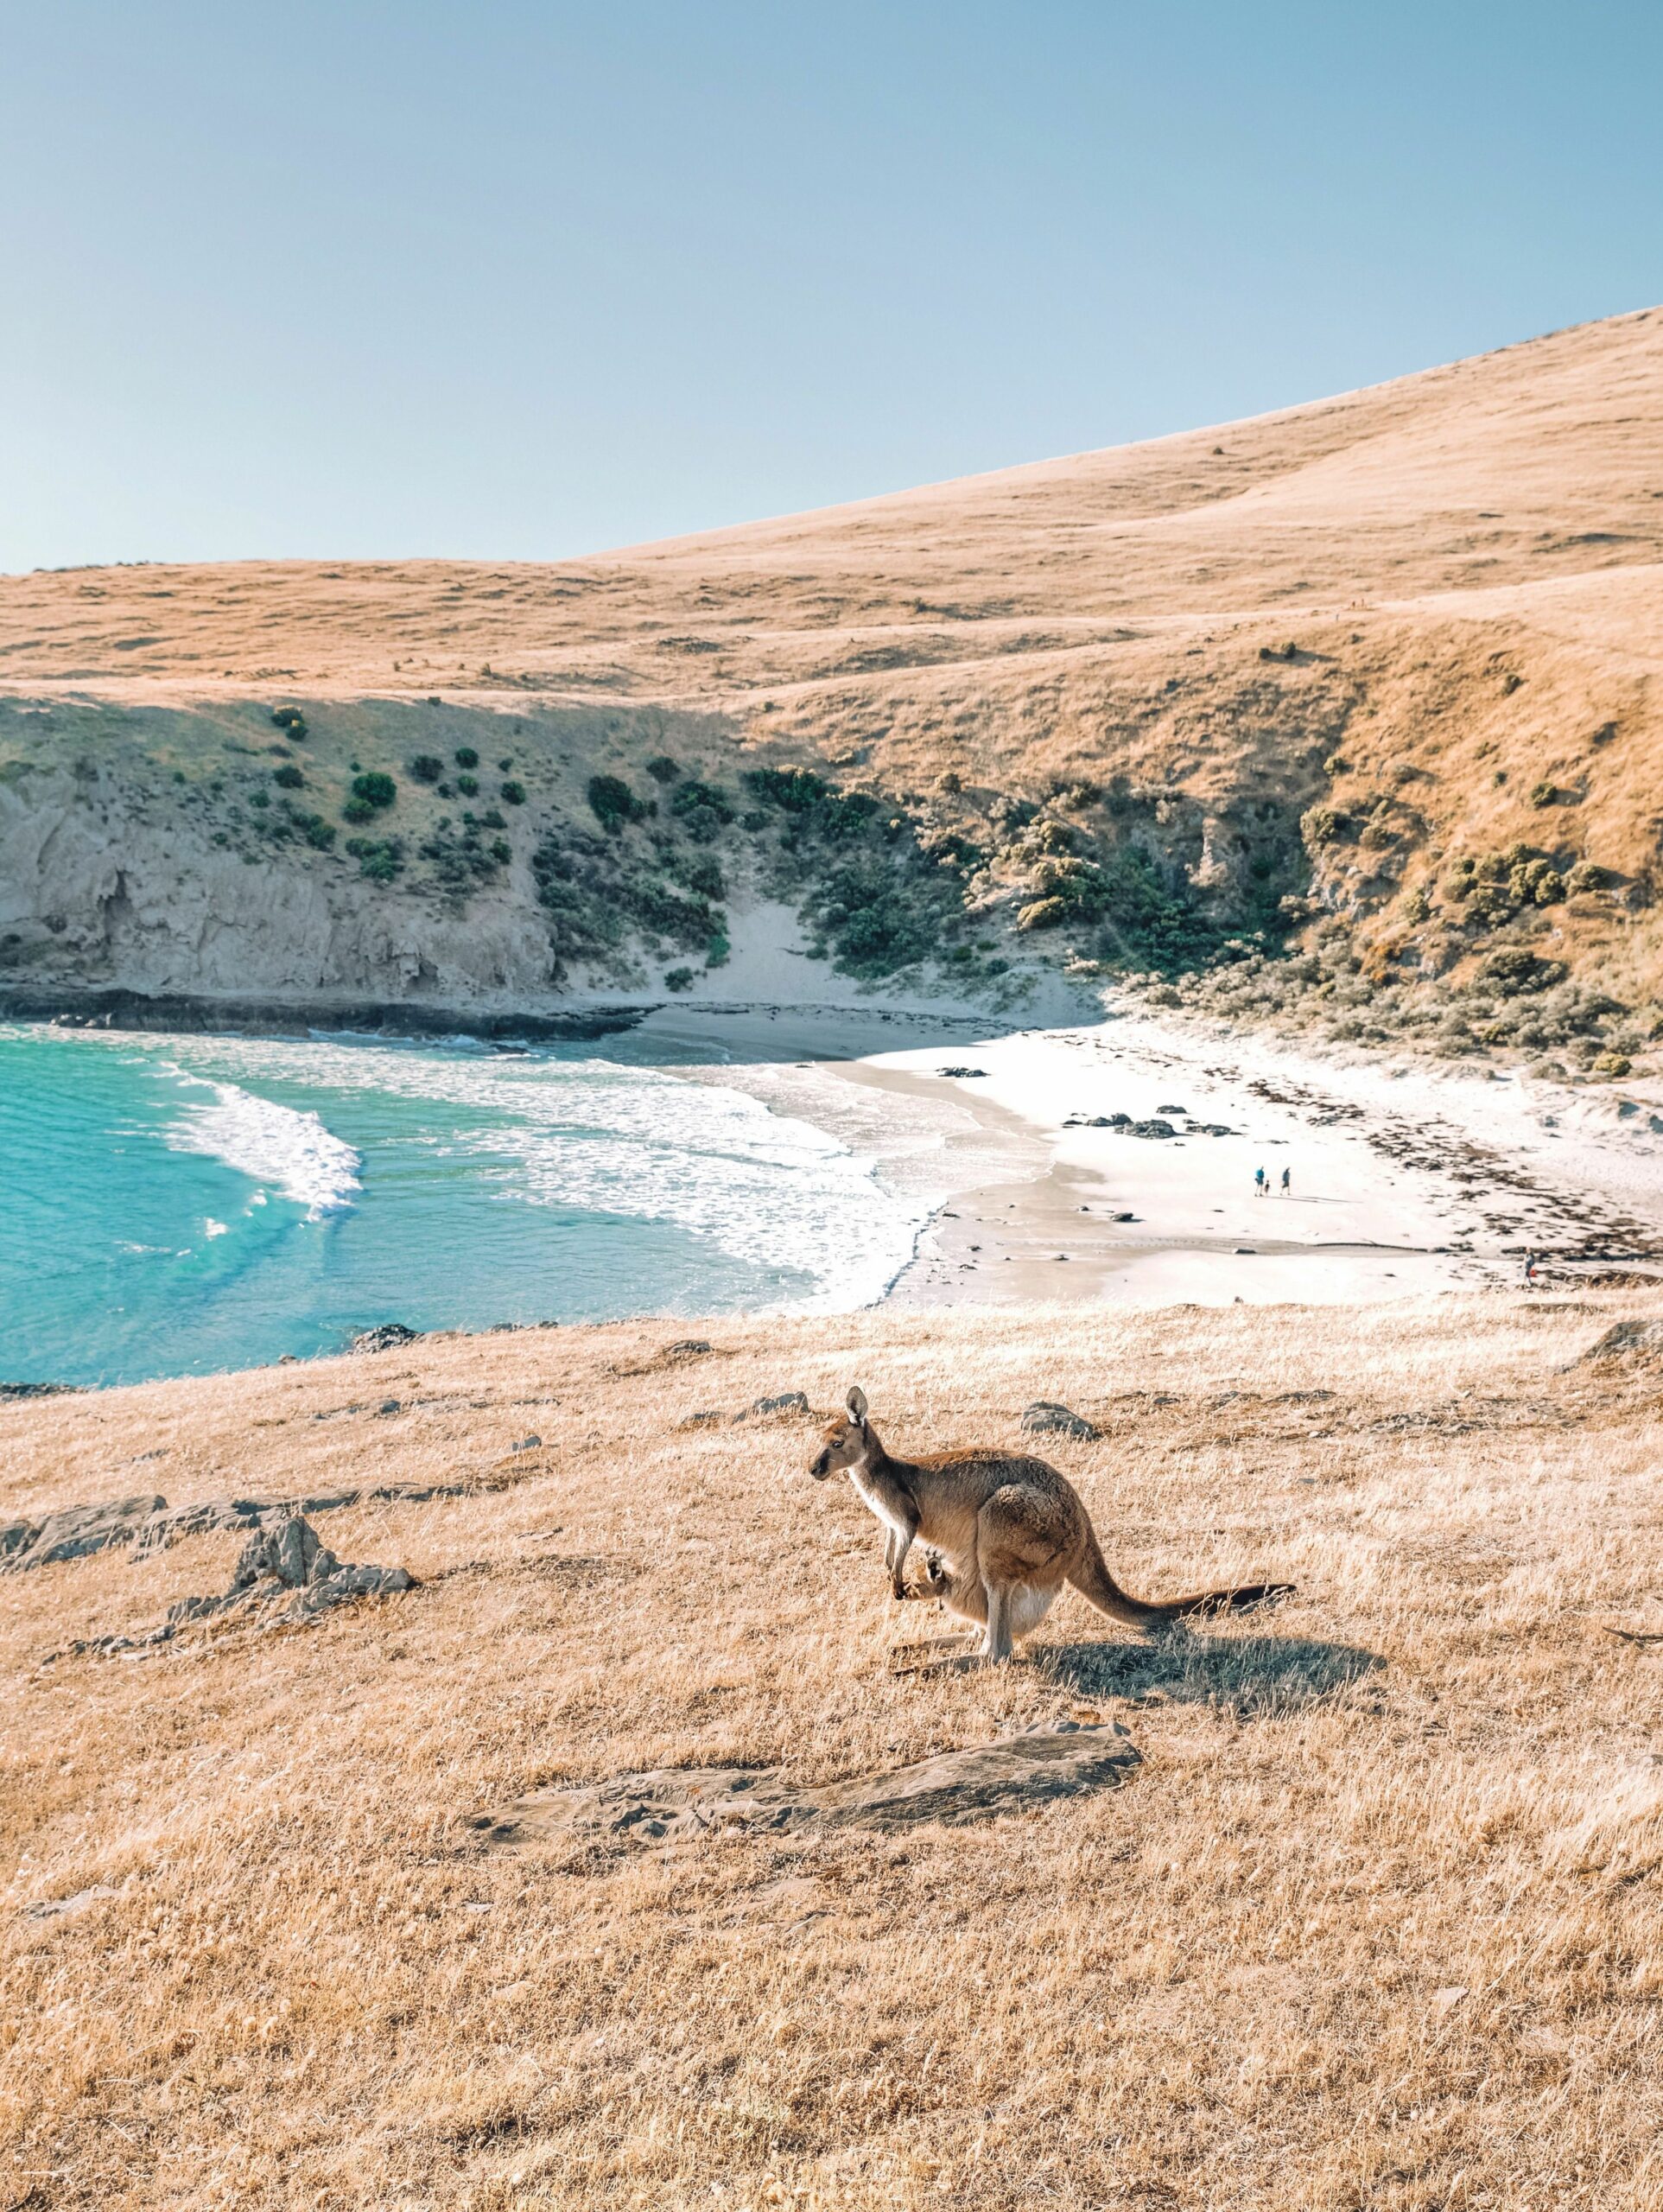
{"x": 1373, "y": 1923}
{"x": 1372, "y": 682}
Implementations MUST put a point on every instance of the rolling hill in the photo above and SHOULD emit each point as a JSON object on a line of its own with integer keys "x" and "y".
{"x": 1348, "y": 711}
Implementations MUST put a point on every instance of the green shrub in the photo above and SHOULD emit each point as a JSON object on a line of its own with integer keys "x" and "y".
{"x": 501, "y": 850}
{"x": 702, "y": 873}
{"x": 318, "y": 832}
{"x": 357, "y": 810}
{"x": 466, "y": 757}
{"x": 1323, "y": 825}
{"x": 1043, "y": 914}
{"x": 426, "y": 767}
{"x": 491, "y": 820}
{"x": 701, "y": 810}
{"x": 375, "y": 789}
{"x": 663, "y": 769}
{"x": 678, "y": 979}
{"x": 1586, "y": 876}
{"x": 287, "y": 777}
{"x": 611, "y": 801}
{"x": 1511, "y": 970}
{"x": 468, "y": 785}
{"x": 513, "y": 794}
{"x": 461, "y": 862}
{"x": 1614, "y": 1065}
{"x": 289, "y": 718}
{"x": 1543, "y": 794}
{"x": 259, "y": 798}
{"x": 379, "y": 859}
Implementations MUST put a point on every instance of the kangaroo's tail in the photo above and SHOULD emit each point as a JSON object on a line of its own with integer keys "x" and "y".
{"x": 1094, "y": 1581}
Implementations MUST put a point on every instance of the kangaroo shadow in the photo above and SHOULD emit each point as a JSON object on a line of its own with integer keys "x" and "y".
{"x": 1248, "y": 1676}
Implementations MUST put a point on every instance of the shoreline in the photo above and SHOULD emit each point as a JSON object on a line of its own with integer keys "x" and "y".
{"x": 1014, "y": 1156}
{"x": 1405, "y": 1179}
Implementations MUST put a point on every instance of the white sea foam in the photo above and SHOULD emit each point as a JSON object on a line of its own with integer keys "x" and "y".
{"x": 291, "y": 1151}
{"x": 763, "y": 1187}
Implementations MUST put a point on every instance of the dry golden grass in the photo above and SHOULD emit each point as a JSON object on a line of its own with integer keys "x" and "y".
{"x": 1375, "y": 1924}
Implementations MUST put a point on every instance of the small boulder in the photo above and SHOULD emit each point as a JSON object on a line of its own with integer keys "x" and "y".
{"x": 1046, "y": 1418}
{"x": 527, "y": 1443}
{"x": 687, "y": 1348}
{"x": 788, "y": 1401}
{"x": 1153, "y": 1129}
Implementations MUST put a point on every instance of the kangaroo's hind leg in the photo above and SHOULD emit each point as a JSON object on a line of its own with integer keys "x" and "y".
{"x": 997, "y": 1645}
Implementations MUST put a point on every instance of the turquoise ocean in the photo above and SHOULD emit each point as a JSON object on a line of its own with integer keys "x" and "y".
{"x": 181, "y": 1205}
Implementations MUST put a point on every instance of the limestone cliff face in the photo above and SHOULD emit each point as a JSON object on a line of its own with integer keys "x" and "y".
{"x": 104, "y": 886}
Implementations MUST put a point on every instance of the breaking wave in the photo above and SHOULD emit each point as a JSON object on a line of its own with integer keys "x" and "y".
{"x": 290, "y": 1151}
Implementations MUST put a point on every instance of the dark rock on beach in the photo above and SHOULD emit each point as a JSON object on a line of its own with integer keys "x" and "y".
{"x": 387, "y": 1338}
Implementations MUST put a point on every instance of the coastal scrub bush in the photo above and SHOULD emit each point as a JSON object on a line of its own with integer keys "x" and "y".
{"x": 814, "y": 808}
{"x": 357, "y": 810}
{"x": 1513, "y": 968}
{"x": 678, "y": 979}
{"x": 468, "y": 785}
{"x": 491, "y": 820}
{"x": 1323, "y": 825}
{"x": 663, "y": 769}
{"x": 379, "y": 859}
{"x": 287, "y": 777}
{"x": 426, "y": 767}
{"x": 701, "y": 810}
{"x": 375, "y": 789}
{"x": 289, "y": 718}
{"x": 513, "y": 794}
{"x": 611, "y": 801}
{"x": 460, "y": 862}
{"x": 466, "y": 757}
{"x": 1543, "y": 794}
{"x": 1587, "y": 876}
{"x": 701, "y": 873}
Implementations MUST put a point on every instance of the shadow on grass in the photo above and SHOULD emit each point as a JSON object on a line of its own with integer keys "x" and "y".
{"x": 1244, "y": 1675}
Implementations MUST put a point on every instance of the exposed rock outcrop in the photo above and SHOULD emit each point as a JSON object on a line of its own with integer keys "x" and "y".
{"x": 671, "y": 1804}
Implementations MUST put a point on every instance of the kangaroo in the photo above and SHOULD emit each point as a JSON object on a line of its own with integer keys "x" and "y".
{"x": 1007, "y": 1532}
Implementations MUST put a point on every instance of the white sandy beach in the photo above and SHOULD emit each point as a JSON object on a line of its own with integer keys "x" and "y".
{"x": 1405, "y": 1177}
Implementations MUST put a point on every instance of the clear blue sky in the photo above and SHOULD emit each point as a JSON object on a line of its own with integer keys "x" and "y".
{"x": 334, "y": 278}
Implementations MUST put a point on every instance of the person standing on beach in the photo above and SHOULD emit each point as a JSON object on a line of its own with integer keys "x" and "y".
{"x": 1259, "y": 1180}
{"x": 1287, "y": 1182}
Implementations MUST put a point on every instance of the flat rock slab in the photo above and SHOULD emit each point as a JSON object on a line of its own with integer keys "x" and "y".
{"x": 75, "y": 1532}
{"x": 671, "y": 1804}
{"x": 1636, "y": 1346}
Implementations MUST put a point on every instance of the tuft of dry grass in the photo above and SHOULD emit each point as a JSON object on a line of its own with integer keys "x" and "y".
{"x": 1375, "y": 1924}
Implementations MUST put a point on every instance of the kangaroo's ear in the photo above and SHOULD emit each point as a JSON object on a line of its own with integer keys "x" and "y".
{"x": 857, "y": 1404}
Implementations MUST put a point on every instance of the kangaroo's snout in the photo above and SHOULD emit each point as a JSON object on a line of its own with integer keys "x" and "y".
{"x": 821, "y": 1466}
